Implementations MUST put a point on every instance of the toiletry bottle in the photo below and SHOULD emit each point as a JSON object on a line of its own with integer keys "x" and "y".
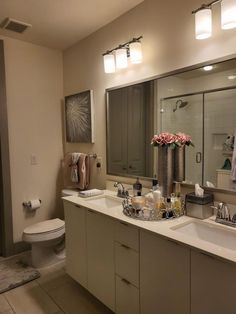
{"x": 149, "y": 200}
{"x": 137, "y": 188}
{"x": 162, "y": 204}
{"x": 178, "y": 205}
{"x": 157, "y": 196}
{"x": 155, "y": 183}
{"x": 169, "y": 210}
{"x": 168, "y": 203}
{"x": 172, "y": 199}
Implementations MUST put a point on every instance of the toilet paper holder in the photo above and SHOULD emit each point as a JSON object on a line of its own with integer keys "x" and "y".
{"x": 28, "y": 204}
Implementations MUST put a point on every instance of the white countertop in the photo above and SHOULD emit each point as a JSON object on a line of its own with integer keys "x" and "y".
{"x": 162, "y": 228}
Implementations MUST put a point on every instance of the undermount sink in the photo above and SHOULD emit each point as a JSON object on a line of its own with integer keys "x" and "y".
{"x": 105, "y": 202}
{"x": 209, "y": 233}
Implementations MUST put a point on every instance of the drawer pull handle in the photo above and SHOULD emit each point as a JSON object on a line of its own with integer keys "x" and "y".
{"x": 125, "y": 281}
{"x": 125, "y": 246}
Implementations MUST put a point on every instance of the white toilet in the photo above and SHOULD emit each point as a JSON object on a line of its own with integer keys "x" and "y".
{"x": 47, "y": 239}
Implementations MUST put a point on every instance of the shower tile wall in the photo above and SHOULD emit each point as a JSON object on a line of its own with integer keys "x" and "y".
{"x": 220, "y": 117}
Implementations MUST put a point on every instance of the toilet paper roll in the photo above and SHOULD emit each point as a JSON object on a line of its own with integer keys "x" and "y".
{"x": 34, "y": 204}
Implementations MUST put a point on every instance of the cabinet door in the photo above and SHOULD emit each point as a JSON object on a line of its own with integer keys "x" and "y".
{"x": 164, "y": 276}
{"x": 101, "y": 266}
{"x": 76, "y": 257}
{"x": 213, "y": 285}
{"x": 127, "y": 297}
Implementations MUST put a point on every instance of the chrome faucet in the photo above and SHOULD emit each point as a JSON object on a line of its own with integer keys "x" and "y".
{"x": 223, "y": 215}
{"x": 223, "y": 211}
{"x": 121, "y": 192}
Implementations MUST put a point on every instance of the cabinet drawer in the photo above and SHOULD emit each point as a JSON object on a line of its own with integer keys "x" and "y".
{"x": 127, "y": 297}
{"x": 127, "y": 235}
{"x": 127, "y": 263}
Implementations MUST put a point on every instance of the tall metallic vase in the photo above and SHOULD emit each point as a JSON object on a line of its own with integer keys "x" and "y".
{"x": 165, "y": 170}
{"x": 179, "y": 164}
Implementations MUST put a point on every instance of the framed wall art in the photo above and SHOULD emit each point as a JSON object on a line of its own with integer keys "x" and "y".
{"x": 79, "y": 117}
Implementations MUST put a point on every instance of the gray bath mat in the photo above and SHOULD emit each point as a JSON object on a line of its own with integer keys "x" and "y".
{"x": 14, "y": 273}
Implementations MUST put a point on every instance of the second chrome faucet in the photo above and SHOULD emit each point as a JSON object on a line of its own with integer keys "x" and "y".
{"x": 223, "y": 215}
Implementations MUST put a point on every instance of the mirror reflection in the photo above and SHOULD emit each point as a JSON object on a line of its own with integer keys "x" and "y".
{"x": 198, "y": 102}
{"x": 130, "y": 114}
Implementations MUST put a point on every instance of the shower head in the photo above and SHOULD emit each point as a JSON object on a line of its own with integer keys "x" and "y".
{"x": 180, "y": 103}
{"x": 183, "y": 104}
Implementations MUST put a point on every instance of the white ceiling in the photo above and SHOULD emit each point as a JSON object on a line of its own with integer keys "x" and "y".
{"x": 61, "y": 23}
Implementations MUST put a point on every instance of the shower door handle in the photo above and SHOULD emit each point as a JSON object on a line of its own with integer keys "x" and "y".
{"x": 198, "y": 157}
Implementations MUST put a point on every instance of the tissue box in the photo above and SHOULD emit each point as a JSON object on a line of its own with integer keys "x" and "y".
{"x": 199, "y": 207}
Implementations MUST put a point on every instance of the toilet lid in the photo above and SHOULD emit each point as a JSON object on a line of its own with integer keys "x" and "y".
{"x": 45, "y": 226}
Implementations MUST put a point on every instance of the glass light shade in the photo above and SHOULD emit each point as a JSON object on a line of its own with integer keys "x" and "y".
{"x": 228, "y": 14}
{"x": 109, "y": 63}
{"x": 135, "y": 50}
{"x": 121, "y": 58}
{"x": 203, "y": 24}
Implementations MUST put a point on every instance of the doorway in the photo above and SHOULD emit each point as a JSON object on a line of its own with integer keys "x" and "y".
{"x": 6, "y": 228}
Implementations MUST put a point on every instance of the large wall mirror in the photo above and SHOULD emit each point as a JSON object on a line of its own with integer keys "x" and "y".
{"x": 200, "y": 102}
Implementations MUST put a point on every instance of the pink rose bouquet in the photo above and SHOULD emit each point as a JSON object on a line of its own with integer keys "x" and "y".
{"x": 184, "y": 139}
{"x": 172, "y": 140}
{"x": 163, "y": 139}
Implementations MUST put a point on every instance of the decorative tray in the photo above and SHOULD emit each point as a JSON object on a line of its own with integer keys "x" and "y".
{"x": 151, "y": 214}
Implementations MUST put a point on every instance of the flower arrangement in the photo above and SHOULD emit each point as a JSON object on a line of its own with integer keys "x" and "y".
{"x": 184, "y": 139}
{"x": 171, "y": 140}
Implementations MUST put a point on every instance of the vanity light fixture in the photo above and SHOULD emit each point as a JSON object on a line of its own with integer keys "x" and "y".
{"x": 117, "y": 58}
{"x": 109, "y": 63}
{"x": 121, "y": 58}
{"x": 135, "y": 49}
{"x": 228, "y": 14}
{"x": 203, "y": 22}
{"x": 203, "y": 17}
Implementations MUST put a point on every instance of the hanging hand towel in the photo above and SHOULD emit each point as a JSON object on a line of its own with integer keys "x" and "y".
{"x": 84, "y": 171}
{"x": 66, "y": 171}
{"x": 74, "y": 167}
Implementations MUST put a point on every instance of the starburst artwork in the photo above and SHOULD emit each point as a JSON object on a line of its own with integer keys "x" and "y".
{"x": 79, "y": 117}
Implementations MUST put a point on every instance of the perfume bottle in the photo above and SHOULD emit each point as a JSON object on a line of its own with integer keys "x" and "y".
{"x": 137, "y": 188}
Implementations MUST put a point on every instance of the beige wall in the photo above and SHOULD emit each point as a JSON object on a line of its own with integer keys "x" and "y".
{"x": 168, "y": 44}
{"x": 34, "y": 95}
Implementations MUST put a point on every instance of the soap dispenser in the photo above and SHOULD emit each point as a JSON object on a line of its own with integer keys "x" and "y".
{"x": 137, "y": 188}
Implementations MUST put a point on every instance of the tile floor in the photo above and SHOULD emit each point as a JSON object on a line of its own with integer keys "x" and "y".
{"x": 53, "y": 293}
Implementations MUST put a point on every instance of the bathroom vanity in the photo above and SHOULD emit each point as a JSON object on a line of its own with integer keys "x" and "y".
{"x": 149, "y": 267}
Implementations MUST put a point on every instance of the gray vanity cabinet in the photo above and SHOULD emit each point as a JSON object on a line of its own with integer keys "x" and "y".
{"x": 100, "y": 254}
{"x": 213, "y": 285}
{"x": 164, "y": 276}
{"x": 76, "y": 251}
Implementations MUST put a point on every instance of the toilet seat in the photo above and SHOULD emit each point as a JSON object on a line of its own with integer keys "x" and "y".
{"x": 45, "y": 230}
